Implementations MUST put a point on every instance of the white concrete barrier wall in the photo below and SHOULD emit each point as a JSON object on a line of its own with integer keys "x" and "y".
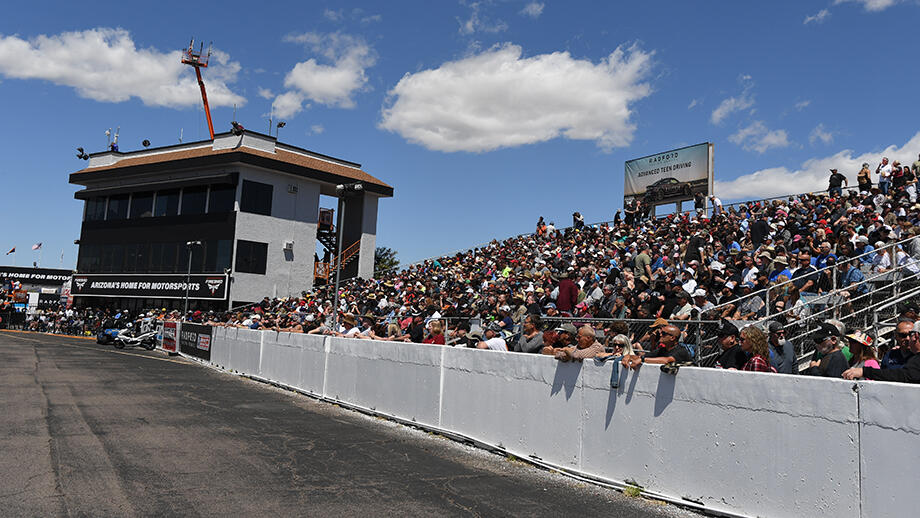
{"x": 312, "y": 362}
{"x": 246, "y": 351}
{"x": 529, "y": 404}
{"x": 395, "y": 378}
{"x": 281, "y": 358}
{"x": 220, "y": 345}
{"x": 889, "y": 441}
{"x": 741, "y": 443}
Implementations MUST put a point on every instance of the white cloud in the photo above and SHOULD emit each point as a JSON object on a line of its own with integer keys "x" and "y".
{"x": 497, "y": 99}
{"x": 757, "y": 137}
{"x": 801, "y": 105}
{"x": 288, "y": 104}
{"x": 316, "y": 129}
{"x": 104, "y": 64}
{"x": 335, "y": 16}
{"x": 734, "y": 104}
{"x": 871, "y": 5}
{"x": 371, "y": 18}
{"x": 533, "y": 9}
{"x": 265, "y": 93}
{"x": 478, "y": 22}
{"x": 819, "y": 17}
{"x": 333, "y": 84}
{"x": 694, "y": 103}
{"x": 811, "y": 175}
{"x": 822, "y": 134}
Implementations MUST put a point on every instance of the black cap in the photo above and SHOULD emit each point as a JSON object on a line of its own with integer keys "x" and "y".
{"x": 727, "y": 329}
{"x": 825, "y": 331}
{"x": 909, "y": 305}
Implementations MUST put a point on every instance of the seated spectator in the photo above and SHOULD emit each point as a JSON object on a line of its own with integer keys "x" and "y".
{"x": 531, "y": 339}
{"x": 861, "y": 350}
{"x": 832, "y": 361}
{"x": 491, "y": 340}
{"x": 668, "y": 350}
{"x": 563, "y": 336}
{"x": 783, "y": 352}
{"x": 458, "y": 334}
{"x": 910, "y": 373}
{"x": 898, "y": 356}
{"x": 586, "y": 346}
{"x": 754, "y": 343}
{"x": 732, "y": 357}
{"x": 436, "y": 334}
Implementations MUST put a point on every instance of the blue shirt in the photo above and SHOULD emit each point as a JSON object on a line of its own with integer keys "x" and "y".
{"x": 777, "y": 272}
{"x": 855, "y": 276}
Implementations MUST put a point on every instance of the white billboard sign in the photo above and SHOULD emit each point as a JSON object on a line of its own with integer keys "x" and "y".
{"x": 672, "y": 176}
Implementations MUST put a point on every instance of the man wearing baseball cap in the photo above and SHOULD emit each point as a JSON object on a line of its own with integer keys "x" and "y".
{"x": 732, "y": 357}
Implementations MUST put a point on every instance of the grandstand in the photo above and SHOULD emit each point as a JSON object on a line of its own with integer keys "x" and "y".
{"x": 692, "y": 252}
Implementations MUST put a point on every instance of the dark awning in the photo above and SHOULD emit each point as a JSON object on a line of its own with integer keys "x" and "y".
{"x": 219, "y": 179}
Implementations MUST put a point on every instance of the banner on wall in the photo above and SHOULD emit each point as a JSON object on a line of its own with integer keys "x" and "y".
{"x": 152, "y": 286}
{"x": 195, "y": 340}
{"x": 170, "y": 330}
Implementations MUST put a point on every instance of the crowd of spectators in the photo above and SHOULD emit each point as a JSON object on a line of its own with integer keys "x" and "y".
{"x": 726, "y": 263}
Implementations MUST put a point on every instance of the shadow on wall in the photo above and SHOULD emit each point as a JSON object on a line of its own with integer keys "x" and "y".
{"x": 566, "y": 377}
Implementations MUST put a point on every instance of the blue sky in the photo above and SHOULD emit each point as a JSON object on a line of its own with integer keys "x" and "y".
{"x": 482, "y": 115}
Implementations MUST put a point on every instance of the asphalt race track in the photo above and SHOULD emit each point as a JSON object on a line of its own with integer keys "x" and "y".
{"x": 86, "y": 430}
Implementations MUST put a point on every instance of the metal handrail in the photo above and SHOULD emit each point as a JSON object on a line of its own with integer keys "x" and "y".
{"x": 766, "y": 291}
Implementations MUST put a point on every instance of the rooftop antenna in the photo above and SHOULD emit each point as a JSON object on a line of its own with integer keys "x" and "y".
{"x": 114, "y": 146}
{"x": 192, "y": 58}
{"x": 180, "y": 135}
{"x": 108, "y": 138}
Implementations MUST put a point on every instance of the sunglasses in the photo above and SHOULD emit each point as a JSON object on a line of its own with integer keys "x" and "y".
{"x": 902, "y": 335}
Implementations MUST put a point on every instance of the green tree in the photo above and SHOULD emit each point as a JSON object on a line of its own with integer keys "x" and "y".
{"x": 385, "y": 259}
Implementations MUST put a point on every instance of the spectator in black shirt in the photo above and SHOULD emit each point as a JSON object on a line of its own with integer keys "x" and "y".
{"x": 805, "y": 277}
{"x": 669, "y": 350}
{"x": 732, "y": 357}
{"x": 835, "y": 182}
{"x": 827, "y": 343}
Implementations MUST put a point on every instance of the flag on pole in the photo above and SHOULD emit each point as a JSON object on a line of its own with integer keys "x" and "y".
{"x": 12, "y": 251}
{"x": 37, "y": 246}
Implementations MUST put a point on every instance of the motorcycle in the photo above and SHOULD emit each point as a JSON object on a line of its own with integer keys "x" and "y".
{"x": 142, "y": 338}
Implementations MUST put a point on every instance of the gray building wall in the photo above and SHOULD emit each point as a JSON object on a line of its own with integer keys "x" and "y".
{"x": 368, "y": 237}
{"x": 294, "y": 218}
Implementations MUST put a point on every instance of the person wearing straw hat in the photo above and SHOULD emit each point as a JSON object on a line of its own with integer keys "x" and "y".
{"x": 907, "y": 336}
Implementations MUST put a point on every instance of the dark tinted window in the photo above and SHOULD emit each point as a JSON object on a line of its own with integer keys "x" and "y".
{"x": 221, "y": 198}
{"x": 89, "y": 259}
{"x": 142, "y": 205}
{"x": 156, "y": 257}
{"x": 167, "y": 203}
{"x": 198, "y": 253}
{"x": 251, "y": 256}
{"x": 130, "y": 258}
{"x": 95, "y": 209}
{"x": 224, "y": 249}
{"x": 193, "y": 200}
{"x": 118, "y": 207}
{"x": 143, "y": 257}
{"x": 256, "y": 198}
{"x": 168, "y": 254}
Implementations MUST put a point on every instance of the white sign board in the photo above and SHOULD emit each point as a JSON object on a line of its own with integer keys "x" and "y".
{"x": 672, "y": 176}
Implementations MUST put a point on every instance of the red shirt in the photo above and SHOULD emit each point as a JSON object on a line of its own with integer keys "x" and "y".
{"x": 434, "y": 339}
{"x": 757, "y": 363}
